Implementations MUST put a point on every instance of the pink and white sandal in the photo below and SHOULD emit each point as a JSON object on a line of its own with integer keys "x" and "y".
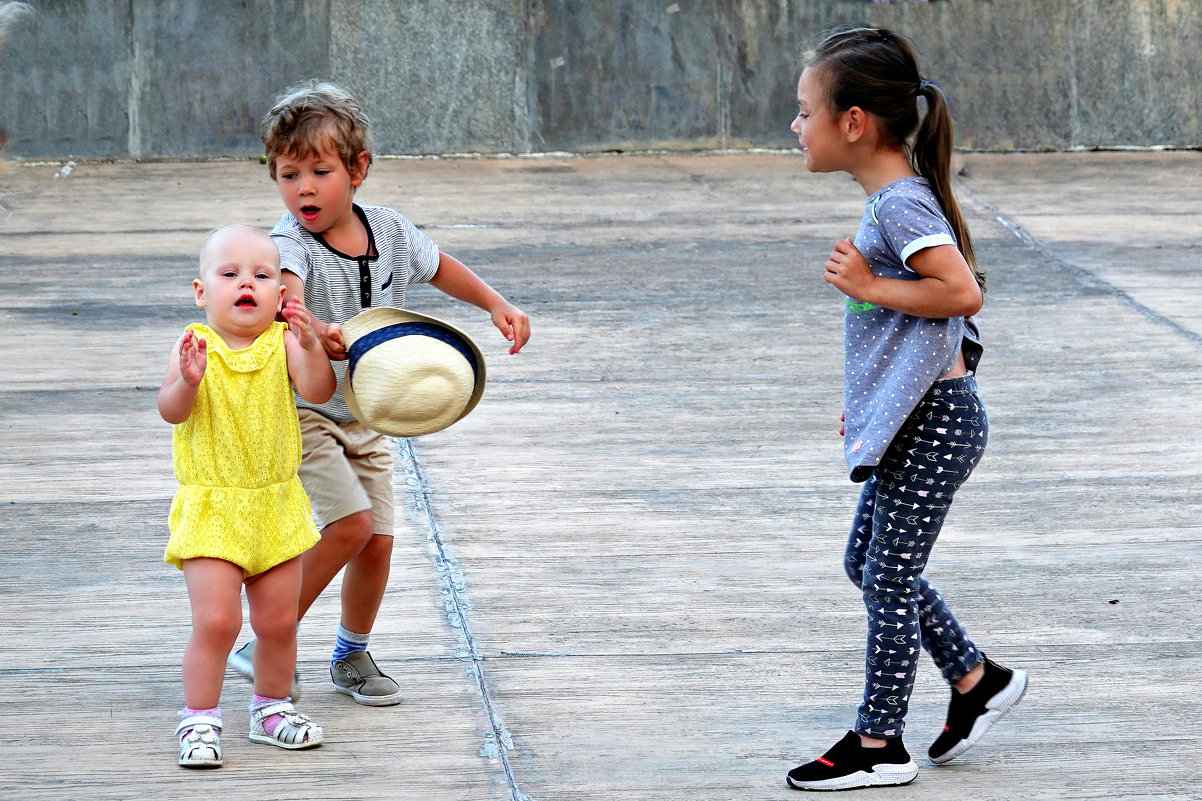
{"x": 201, "y": 746}
{"x": 296, "y": 731}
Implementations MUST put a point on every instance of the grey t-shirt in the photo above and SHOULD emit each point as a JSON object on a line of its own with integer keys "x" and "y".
{"x": 892, "y": 359}
{"x": 336, "y": 284}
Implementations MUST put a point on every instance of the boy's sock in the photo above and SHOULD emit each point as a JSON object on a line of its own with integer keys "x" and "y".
{"x": 272, "y": 722}
{"x": 188, "y": 712}
{"x": 348, "y": 642}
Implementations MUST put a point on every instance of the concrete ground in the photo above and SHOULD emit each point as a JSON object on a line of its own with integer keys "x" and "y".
{"x": 620, "y": 577}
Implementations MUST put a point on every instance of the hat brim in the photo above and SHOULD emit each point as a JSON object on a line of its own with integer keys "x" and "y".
{"x": 371, "y": 320}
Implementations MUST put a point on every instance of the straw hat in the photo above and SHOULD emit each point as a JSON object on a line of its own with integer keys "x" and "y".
{"x": 409, "y": 374}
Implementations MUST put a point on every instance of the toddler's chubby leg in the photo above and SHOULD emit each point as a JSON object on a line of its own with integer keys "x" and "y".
{"x": 273, "y": 597}
{"x": 215, "y": 592}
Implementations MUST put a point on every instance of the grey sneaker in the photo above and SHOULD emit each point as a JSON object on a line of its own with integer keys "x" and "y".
{"x": 356, "y": 675}
{"x": 243, "y": 663}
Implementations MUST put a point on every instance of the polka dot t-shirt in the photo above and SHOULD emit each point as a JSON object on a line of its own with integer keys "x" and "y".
{"x": 892, "y": 359}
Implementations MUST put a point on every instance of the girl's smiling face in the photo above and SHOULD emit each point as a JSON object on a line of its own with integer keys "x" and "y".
{"x": 239, "y": 285}
{"x": 817, "y": 126}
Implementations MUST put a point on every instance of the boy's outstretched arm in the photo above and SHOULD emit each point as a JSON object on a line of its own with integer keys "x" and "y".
{"x": 456, "y": 280}
{"x": 177, "y": 395}
{"x": 308, "y": 364}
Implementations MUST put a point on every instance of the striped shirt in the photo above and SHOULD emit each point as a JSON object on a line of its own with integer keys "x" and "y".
{"x": 338, "y": 286}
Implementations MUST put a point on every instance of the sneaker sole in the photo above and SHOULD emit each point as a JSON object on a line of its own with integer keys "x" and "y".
{"x": 996, "y": 708}
{"x": 370, "y": 700}
{"x": 243, "y": 667}
{"x": 883, "y": 775}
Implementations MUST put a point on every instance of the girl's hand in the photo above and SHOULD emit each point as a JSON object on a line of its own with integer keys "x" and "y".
{"x": 842, "y": 420}
{"x": 297, "y": 317}
{"x": 193, "y": 358}
{"x": 308, "y": 363}
{"x": 513, "y": 324}
{"x": 848, "y": 271}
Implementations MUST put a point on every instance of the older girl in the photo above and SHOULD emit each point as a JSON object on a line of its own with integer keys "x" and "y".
{"x": 915, "y": 422}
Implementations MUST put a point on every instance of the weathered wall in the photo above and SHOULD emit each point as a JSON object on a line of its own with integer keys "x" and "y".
{"x": 166, "y": 78}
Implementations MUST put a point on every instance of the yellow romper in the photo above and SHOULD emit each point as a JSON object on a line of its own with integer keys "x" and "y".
{"x": 236, "y": 458}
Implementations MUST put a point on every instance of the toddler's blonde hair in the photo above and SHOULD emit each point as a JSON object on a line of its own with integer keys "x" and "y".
{"x": 205, "y": 258}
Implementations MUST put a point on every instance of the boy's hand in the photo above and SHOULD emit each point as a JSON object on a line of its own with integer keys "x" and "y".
{"x": 193, "y": 358}
{"x": 297, "y": 317}
{"x": 848, "y": 271}
{"x": 513, "y": 324}
{"x": 332, "y": 341}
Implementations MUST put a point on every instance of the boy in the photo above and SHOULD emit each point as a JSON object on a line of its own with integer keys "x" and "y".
{"x": 341, "y": 258}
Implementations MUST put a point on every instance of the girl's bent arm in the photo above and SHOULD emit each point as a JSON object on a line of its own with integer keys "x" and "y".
{"x": 330, "y": 335}
{"x": 946, "y": 286}
{"x": 177, "y": 395}
{"x": 308, "y": 363}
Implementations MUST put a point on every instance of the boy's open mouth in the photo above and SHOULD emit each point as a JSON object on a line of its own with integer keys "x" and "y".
{"x": 309, "y": 212}
{"x": 246, "y": 300}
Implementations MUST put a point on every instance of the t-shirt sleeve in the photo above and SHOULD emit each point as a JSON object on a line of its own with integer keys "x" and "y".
{"x": 910, "y": 224}
{"x": 423, "y": 253}
{"x": 294, "y": 256}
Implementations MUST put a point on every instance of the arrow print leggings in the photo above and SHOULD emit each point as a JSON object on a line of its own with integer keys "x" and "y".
{"x": 900, "y": 513}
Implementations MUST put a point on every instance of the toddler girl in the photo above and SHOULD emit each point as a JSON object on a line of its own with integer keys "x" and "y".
{"x": 240, "y": 516}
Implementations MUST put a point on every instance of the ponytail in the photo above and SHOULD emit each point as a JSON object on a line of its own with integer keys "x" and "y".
{"x": 875, "y": 69}
{"x": 931, "y": 157}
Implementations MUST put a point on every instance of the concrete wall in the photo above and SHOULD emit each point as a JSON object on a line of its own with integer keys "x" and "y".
{"x": 172, "y": 78}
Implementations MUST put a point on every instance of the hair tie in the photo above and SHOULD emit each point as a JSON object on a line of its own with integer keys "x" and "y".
{"x": 924, "y": 85}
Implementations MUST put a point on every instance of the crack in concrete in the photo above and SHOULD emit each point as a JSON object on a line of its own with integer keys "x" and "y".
{"x": 1087, "y": 277}
{"x": 500, "y": 741}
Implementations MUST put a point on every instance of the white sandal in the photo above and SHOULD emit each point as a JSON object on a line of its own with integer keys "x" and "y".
{"x": 200, "y": 747}
{"x": 296, "y": 731}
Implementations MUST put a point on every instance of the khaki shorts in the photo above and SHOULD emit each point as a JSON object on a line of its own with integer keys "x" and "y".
{"x": 345, "y": 468}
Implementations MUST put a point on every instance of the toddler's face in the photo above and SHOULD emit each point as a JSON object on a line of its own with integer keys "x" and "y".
{"x": 239, "y": 285}
{"x": 317, "y": 189}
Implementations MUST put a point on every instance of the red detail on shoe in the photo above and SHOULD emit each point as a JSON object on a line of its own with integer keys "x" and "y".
{"x": 946, "y": 728}
{"x": 825, "y": 761}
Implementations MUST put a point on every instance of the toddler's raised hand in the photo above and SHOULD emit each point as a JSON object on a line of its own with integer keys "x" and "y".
{"x": 193, "y": 358}
{"x": 297, "y": 317}
{"x": 848, "y": 271}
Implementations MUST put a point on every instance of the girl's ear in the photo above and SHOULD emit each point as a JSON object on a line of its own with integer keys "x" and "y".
{"x": 199, "y": 289}
{"x": 362, "y": 162}
{"x": 855, "y": 124}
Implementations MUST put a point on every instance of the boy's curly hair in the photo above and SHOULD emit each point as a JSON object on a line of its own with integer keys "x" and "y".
{"x": 311, "y": 113}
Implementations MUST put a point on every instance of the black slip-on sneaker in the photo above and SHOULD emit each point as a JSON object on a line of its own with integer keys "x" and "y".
{"x": 971, "y": 714}
{"x": 848, "y": 765}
